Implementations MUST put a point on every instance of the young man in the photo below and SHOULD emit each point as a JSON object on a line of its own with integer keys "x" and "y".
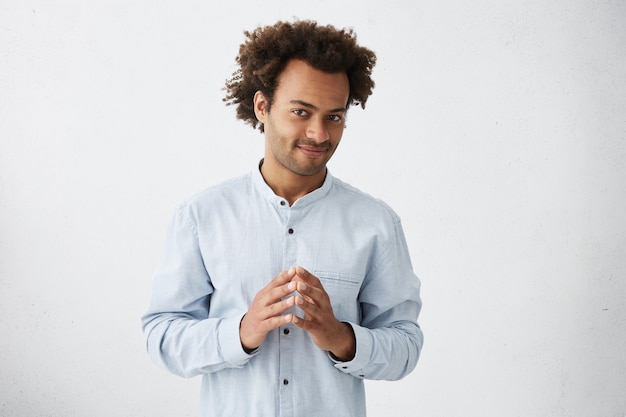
{"x": 286, "y": 288}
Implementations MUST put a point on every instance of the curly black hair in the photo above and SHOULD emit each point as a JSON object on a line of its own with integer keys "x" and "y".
{"x": 264, "y": 54}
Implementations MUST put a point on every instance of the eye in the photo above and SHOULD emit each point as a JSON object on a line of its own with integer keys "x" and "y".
{"x": 335, "y": 117}
{"x": 300, "y": 112}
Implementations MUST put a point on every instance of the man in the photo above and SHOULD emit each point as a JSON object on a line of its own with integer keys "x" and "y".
{"x": 286, "y": 288}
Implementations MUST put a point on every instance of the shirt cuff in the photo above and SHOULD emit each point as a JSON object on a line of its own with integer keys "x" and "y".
{"x": 355, "y": 367}
{"x": 230, "y": 342}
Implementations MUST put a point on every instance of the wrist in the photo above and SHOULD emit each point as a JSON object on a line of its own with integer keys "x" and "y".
{"x": 246, "y": 345}
{"x": 346, "y": 344}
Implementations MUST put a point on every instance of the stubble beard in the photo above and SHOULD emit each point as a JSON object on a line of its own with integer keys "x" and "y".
{"x": 294, "y": 164}
{"x": 290, "y": 157}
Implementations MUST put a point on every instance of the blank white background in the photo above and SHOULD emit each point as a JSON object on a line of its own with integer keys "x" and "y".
{"x": 496, "y": 130}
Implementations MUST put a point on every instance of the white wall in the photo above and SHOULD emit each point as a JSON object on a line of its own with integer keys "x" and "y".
{"x": 497, "y": 131}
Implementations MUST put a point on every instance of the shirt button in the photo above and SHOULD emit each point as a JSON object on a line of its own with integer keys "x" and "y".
{"x": 286, "y": 331}
{"x": 282, "y": 203}
{"x": 285, "y": 382}
{"x": 290, "y": 231}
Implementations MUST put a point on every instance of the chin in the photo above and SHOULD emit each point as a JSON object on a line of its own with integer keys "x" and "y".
{"x": 309, "y": 171}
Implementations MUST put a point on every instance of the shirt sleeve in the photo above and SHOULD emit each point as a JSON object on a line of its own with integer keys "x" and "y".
{"x": 179, "y": 335}
{"x": 388, "y": 338}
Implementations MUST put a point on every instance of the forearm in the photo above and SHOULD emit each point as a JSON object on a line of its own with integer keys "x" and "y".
{"x": 188, "y": 347}
{"x": 388, "y": 338}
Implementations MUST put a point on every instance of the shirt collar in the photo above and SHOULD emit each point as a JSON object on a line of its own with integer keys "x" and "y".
{"x": 268, "y": 193}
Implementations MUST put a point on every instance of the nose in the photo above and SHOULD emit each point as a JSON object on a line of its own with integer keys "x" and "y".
{"x": 317, "y": 130}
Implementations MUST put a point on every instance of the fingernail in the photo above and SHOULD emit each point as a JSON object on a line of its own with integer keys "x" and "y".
{"x": 291, "y": 286}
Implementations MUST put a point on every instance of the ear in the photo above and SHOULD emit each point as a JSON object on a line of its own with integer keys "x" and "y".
{"x": 260, "y": 106}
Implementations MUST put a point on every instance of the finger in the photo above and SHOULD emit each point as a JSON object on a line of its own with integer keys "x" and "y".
{"x": 312, "y": 292}
{"x": 300, "y": 270}
{"x": 279, "y": 293}
{"x": 254, "y": 337}
{"x": 282, "y": 278}
{"x": 277, "y": 321}
{"x": 280, "y": 307}
{"x": 278, "y": 288}
{"x": 306, "y": 275}
{"x": 298, "y": 321}
{"x": 307, "y": 292}
{"x": 312, "y": 311}
{"x": 303, "y": 324}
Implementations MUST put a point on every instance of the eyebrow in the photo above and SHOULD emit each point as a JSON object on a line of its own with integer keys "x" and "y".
{"x": 311, "y": 106}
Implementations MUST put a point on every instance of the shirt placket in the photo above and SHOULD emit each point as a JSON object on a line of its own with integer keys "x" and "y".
{"x": 286, "y": 346}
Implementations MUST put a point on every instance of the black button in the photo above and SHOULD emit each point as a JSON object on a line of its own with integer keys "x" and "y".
{"x": 361, "y": 376}
{"x": 344, "y": 367}
{"x": 290, "y": 231}
{"x": 286, "y": 331}
{"x": 285, "y": 382}
{"x": 282, "y": 203}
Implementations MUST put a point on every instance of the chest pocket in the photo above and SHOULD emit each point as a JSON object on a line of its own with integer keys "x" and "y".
{"x": 343, "y": 289}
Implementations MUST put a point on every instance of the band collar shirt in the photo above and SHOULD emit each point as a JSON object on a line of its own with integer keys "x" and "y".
{"x": 227, "y": 242}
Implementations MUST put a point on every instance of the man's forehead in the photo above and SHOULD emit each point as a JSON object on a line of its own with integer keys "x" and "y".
{"x": 303, "y": 84}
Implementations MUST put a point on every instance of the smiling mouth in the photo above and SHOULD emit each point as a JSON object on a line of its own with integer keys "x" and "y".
{"x": 313, "y": 151}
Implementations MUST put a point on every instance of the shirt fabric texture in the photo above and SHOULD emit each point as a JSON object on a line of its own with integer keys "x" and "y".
{"x": 229, "y": 241}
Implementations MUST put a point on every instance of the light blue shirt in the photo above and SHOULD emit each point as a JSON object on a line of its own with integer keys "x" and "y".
{"x": 229, "y": 241}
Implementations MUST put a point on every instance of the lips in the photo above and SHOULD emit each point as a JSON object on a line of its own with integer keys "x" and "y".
{"x": 313, "y": 150}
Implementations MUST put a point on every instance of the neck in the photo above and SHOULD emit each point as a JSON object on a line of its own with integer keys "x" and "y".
{"x": 287, "y": 184}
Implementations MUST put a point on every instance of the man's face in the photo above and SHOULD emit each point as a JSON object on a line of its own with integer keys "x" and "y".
{"x": 306, "y": 119}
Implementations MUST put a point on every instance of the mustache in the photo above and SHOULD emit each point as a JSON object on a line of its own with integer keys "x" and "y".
{"x": 314, "y": 145}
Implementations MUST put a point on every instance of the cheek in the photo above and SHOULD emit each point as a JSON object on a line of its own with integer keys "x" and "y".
{"x": 283, "y": 128}
{"x": 279, "y": 139}
{"x": 336, "y": 136}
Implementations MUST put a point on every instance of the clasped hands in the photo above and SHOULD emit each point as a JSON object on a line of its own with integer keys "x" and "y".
{"x": 266, "y": 313}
